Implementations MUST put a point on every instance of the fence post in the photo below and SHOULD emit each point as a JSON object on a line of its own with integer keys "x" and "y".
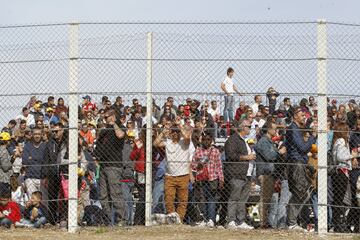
{"x": 322, "y": 125}
{"x": 73, "y": 125}
{"x": 149, "y": 106}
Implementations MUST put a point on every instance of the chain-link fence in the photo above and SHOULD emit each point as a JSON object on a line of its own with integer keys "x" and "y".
{"x": 235, "y": 125}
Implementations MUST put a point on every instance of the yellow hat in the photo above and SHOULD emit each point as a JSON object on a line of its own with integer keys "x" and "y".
{"x": 131, "y": 133}
{"x": 5, "y": 136}
{"x": 49, "y": 109}
{"x": 80, "y": 172}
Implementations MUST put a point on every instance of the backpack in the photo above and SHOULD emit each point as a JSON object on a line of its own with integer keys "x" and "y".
{"x": 93, "y": 216}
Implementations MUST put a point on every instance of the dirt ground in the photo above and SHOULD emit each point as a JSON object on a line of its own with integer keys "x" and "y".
{"x": 161, "y": 232}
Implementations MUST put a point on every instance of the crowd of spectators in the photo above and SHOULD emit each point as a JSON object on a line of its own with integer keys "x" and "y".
{"x": 206, "y": 163}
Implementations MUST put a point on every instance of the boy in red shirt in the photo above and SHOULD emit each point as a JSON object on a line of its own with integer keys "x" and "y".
{"x": 9, "y": 211}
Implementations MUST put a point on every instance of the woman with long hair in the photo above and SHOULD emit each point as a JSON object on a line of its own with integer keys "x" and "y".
{"x": 344, "y": 161}
{"x": 139, "y": 157}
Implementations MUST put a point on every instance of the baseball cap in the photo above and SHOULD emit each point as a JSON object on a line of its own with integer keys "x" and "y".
{"x": 49, "y": 109}
{"x": 87, "y": 97}
{"x": 5, "y": 136}
{"x": 334, "y": 101}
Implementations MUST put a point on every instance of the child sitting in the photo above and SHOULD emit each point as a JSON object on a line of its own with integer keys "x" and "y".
{"x": 36, "y": 214}
{"x": 18, "y": 194}
{"x": 9, "y": 210}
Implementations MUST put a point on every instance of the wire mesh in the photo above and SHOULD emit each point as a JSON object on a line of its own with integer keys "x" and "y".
{"x": 219, "y": 158}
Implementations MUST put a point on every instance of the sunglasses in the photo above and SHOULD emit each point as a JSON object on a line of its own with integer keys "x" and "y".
{"x": 55, "y": 131}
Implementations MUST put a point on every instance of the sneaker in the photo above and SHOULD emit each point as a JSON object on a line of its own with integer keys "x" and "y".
{"x": 121, "y": 224}
{"x": 170, "y": 218}
{"x": 23, "y": 224}
{"x": 244, "y": 225}
{"x": 159, "y": 218}
{"x": 177, "y": 218}
{"x": 295, "y": 228}
{"x": 210, "y": 223}
{"x": 63, "y": 224}
{"x": 202, "y": 224}
{"x": 231, "y": 225}
{"x": 173, "y": 218}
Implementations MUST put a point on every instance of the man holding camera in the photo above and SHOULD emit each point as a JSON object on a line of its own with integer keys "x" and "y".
{"x": 178, "y": 150}
{"x": 109, "y": 151}
{"x": 266, "y": 157}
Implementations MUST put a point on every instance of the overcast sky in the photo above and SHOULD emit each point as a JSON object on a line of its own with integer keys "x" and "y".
{"x": 254, "y": 76}
{"x": 39, "y": 11}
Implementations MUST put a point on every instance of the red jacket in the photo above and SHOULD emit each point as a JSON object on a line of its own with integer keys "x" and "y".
{"x": 138, "y": 155}
{"x": 11, "y": 211}
{"x": 238, "y": 114}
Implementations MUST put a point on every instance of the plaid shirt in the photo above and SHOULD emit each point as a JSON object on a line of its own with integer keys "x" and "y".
{"x": 214, "y": 166}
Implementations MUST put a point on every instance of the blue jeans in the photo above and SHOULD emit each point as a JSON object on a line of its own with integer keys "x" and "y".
{"x": 5, "y": 222}
{"x": 330, "y": 201}
{"x": 314, "y": 205}
{"x": 37, "y": 224}
{"x": 158, "y": 205}
{"x": 277, "y": 210}
{"x": 127, "y": 188}
{"x": 229, "y": 109}
{"x": 210, "y": 196}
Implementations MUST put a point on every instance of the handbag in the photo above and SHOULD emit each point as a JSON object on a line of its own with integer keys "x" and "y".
{"x": 202, "y": 172}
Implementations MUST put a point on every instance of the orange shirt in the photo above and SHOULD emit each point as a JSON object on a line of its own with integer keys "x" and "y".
{"x": 88, "y": 137}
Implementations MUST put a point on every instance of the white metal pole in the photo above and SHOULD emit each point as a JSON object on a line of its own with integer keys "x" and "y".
{"x": 73, "y": 125}
{"x": 149, "y": 106}
{"x": 322, "y": 125}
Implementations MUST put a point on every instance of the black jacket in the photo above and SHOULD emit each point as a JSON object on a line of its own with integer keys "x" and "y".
{"x": 109, "y": 148}
{"x": 235, "y": 147}
{"x": 52, "y": 150}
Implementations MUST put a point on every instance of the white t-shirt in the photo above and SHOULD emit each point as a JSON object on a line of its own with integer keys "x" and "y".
{"x": 260, "y": 124}
{"x": 178, "y": 158}
{"x": 229, "y": 85}
{"x": 19, "y": 196}
{"x": 252, "y": 167}
{"x": 213, "y": 112}
{"x": 255, "y": 108}
{"x": 30, "y": 120}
